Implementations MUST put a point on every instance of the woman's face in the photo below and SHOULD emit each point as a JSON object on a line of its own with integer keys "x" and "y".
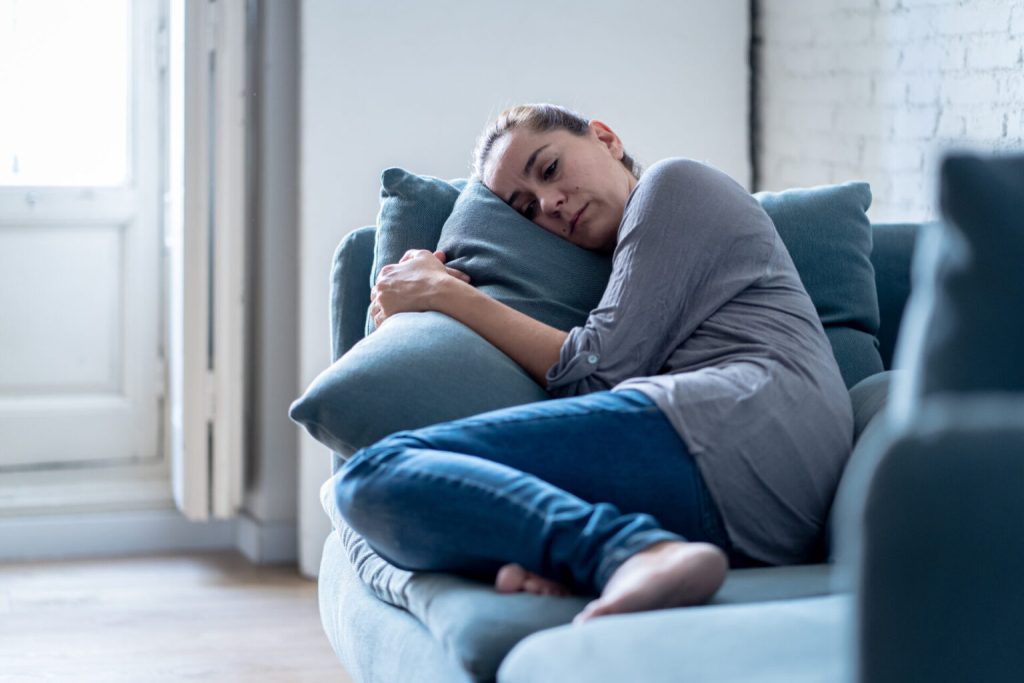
{"x": 574, "y": 186}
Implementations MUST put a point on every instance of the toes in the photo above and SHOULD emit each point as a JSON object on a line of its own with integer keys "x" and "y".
{"x": 589, "y": 612}
{"x": 510, "y": 578}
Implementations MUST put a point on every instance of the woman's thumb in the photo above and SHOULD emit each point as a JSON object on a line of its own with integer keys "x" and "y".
{"x": 440, "y": 256}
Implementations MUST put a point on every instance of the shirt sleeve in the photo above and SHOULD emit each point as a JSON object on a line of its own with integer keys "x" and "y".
{"x": 691, "y": 239}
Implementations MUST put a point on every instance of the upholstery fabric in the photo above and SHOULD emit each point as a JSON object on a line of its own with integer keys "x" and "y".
{"x": 444, "y": 371}
{"x": 515, "y": 261}
{"x": 416, "y": 370}
{"x": 476, "y": 626}
{"x": 828, "y": 235}
{"x": 869, "y": 397}
{"x": 452, "y": 631}
{"x": 795, "y": 641}
{"x": 440, "y": 368}
{"x": 892, "y": 249}
{"x": 412, "y": 210}
{"x": 963, "y": 329}
{"x": 376, "y": 642}
{"x": 351, "y": 265}
{"x": 928, "y": 523}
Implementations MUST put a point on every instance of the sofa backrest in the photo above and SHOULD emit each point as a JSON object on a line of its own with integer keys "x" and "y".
{"x": 892, "y": 256}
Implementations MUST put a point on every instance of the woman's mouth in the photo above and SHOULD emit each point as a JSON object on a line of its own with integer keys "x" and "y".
{"x": 576, "y": 218}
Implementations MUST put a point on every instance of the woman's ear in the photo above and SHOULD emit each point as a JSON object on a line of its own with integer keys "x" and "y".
{"x": 607, "y": 136}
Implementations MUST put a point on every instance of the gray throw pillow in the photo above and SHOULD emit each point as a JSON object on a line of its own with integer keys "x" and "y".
{"x": 828, "y": 234}
{"x": 963, "y": 331}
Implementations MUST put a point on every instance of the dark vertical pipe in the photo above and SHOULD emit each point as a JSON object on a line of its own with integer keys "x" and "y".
{"x": 754, "y": 59}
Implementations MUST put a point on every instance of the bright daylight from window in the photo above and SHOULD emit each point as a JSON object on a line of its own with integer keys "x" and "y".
{"x": 64, "y": 88}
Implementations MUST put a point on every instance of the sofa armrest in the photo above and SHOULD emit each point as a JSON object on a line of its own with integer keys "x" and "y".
{"x": 350, "y": 289}
{"x": 931, "y": 537}
{"x": 350, "y": 298}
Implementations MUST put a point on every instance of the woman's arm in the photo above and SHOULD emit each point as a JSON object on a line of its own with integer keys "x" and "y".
{"x": 421, "y": 282}
{"x": 529, "y": 342}
{"x": 690, "y": 240}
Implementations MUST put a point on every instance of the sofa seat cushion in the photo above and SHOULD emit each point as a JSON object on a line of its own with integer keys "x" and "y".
{"x": 869, "y": 398}
{"x": 477, "y": 626}
{"x": 375, "y": 642}
{"x": 793, "y": 641}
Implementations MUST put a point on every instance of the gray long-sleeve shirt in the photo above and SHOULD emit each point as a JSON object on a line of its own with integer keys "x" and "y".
{"x": 705, "y": 314}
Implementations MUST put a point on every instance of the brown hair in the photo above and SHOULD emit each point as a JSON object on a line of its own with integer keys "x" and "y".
{"x": 538, "y": 118}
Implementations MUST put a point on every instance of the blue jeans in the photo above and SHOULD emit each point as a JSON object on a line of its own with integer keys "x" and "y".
{"x": 568, "y": 488}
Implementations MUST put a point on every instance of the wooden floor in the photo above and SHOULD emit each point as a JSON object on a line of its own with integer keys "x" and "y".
{"x": 194, "y": 617}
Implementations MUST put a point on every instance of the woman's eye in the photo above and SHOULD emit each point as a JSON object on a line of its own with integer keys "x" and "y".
{"x": 529, "y": 209}
{"x": 550, "y": 170}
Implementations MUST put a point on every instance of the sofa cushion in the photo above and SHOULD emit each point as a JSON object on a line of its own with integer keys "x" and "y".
{"x": 794, "y": 641}
{"x": 962, "y": 331}
{"x": 477, "y": 626}
{"x": 515, "y": 261}
{"x": 418, "y": 369}
{"x": 869, "y": 397}
{"x": 892, "y": 249}
{"x": 412, "y": 210}
{"x": 376, "y": 642}
{"x": 828, "y": 234}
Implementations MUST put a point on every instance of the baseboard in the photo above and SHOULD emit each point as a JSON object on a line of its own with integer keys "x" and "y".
{"x": 109, "y": 533}
{"x": 267, "y": 542}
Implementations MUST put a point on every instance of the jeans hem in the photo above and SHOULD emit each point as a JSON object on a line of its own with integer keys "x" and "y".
{"x": 613, "y": 559}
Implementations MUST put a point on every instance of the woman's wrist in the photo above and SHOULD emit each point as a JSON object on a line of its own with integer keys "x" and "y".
{"x": 447, "y": 295}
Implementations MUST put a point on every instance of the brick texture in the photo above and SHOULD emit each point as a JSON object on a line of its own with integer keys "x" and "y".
{"x": 879, "y": 90}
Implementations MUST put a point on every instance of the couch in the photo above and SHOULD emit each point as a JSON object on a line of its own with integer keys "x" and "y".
{"x": 868, "y": 611}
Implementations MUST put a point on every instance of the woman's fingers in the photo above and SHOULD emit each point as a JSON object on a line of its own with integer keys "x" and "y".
{"x": 415, "y": 252}
{"x": 457, "y": 273}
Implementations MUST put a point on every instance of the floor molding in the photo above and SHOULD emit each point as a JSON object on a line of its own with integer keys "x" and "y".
{"x": 263, "y": 542}
{"x": 101, "y": 534}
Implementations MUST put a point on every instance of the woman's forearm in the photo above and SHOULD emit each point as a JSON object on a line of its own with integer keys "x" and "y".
{"x": 529, "y": 342}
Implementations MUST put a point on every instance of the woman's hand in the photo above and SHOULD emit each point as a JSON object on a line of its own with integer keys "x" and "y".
{"x": 410, "y": 284}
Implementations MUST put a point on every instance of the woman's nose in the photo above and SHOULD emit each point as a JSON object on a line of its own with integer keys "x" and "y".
{"x": 551, "y": 201}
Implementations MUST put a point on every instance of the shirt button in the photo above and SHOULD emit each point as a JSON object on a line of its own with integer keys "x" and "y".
{"x": 592, "y": 358}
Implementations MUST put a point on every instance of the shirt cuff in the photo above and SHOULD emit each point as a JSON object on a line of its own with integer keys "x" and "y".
{"x": 578, "y": 358}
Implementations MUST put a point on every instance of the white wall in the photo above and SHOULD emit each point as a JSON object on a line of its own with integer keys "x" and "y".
{"x": 412, "y": 84}
{"x": 879, "y": 89}
{"x": 267, "y": 528}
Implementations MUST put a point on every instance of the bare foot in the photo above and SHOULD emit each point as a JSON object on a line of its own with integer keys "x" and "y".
{"x": 666, "y": 574}
{"x": 513, "y": 578}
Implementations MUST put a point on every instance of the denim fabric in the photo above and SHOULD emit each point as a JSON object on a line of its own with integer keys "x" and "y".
{"x": 568, "y": 488}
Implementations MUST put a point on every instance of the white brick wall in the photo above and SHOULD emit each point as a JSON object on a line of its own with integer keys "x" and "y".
{"x": 877, "y": 90}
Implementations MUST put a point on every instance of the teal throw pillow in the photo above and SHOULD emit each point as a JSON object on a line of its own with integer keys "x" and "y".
{"x": 828, "y": 234}
{"x": 413, "y": 208}
{"x": 520, "y": 264}
{"x": 424, "y": 368}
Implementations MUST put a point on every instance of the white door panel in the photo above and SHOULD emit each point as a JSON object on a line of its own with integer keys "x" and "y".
{"x": 81, "y": 374}
{"x": 74, "y": 274}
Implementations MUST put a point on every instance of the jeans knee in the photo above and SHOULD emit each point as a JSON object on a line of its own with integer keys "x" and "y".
{"x": 359, "y": 489}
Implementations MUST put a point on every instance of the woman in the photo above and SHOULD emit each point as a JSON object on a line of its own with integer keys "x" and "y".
{"x": 700, "y": 417}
